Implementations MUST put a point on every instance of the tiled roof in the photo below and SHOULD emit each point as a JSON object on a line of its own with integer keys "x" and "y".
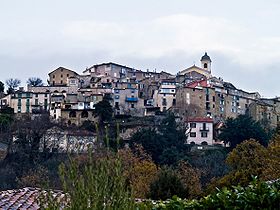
{"x": 201, "y": 83}
{"x": 201, "y": 119}
{"x": 25, "y": 198}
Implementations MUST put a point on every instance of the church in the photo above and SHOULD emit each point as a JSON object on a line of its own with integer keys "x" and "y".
{"x": 195, "y": 73}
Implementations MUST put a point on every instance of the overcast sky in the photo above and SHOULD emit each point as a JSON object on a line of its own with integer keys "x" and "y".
{"x": 241, "y": 37}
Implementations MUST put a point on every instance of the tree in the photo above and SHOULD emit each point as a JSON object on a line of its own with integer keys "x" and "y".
{"x": 210, "y": 163}
{"x": 151, "y": 142}
{"x": 168, "y": 137}
{"x": 242, "y": 128}
{"x": 190, "y": 177}
{"x": 12, "y": 84}
{"x": 139, "y": 170}
{"x": 272, "y": 171}
{"x": 248, "y": 159}
{"x": 2, "y": 87}
{"x": 98, "y": 184}
{"x": 34, "y": 81}
{"x": 166, "y": 185}
{"x": 173, "y": 135}
{"x": 103, "y": 110}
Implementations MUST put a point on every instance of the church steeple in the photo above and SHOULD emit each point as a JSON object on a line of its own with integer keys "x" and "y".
{"x": 206, "y": 62}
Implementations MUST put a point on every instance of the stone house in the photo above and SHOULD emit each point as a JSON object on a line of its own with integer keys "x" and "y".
{"x": 60, "y": 76}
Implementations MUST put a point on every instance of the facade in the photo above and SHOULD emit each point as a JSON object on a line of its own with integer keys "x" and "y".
{"x": 27, "y": 102}
{"x": 200, "y": 131}
{"x": 197, "y": 99}
{"x": 126, "y": 99}
{"x": 266, "y": 111}
{"x": 60, "y": 76}
{"x": 165, "y": 96}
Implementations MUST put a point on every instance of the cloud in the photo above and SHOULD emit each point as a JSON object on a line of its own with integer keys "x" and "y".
{"x": 168, "y": 43}
{"x": 182, "y": 32}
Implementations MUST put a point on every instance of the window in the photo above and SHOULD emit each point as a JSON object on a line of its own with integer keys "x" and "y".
{"x": 84, "y": 114}
{"x": 164, "y": 102}
{"x": 193, "y": 125}
{"x": 67, "y": 75}
{"x": 174, "y": 102}
{"x": 72, "y": 114}
{"x": 61, "y": 82}
{"x": 205, "y": 65}
{"x": 132, "y": 91}
{"x": 19, "y": 102}
{"x": 117, "y": 105}
{"x": 214, "y": 99}
{"x": 204, "y": 126}
{"x": 36, "y": 95}
{"x": 132, "y": 105}
{"x": 117, "y": 96}
{"x": 207, "y": 106}
{"x": 193, "y": 134}
{"x": 53, "y": 76}
{"x": 36, "y": 102}
{"x": 117, "y": 91}
{"x": 61, "y": 75}
{"x": 204, "y": 134}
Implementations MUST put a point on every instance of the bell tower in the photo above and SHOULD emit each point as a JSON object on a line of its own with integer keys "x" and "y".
{"x": 206, "y": 62}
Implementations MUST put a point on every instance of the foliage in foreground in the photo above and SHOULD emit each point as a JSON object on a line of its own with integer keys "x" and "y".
{"x": 258, "y": 195}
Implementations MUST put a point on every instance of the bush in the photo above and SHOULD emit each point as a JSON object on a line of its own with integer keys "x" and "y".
{"x": 257, "y": 195}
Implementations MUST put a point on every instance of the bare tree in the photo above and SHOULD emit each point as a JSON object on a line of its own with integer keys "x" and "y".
{"x": 12, "y": 84}
{"x": 34, "y": 81}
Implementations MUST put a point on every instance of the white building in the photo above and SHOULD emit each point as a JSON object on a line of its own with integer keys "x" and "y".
{"x": 200, "y": 131}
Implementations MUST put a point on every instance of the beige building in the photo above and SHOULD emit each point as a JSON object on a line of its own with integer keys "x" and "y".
{"x": 195, "y": 73}
{"x": 27, "y": 102}
{"x": 60, "y": 76}
{"x": 198, "y": 99}
{"x": 266, "y": 111}
{"x": 165, "y": 96}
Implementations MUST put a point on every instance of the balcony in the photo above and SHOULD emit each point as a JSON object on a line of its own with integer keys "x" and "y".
{"x": 204, "y": 129}
{"x": 128, "y": 99}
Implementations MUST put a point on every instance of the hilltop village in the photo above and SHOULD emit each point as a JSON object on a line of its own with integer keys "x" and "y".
{"x": 199, "y": 99}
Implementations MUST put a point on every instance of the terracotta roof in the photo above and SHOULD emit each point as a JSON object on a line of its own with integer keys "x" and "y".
{"x": 25, "y": 198}
{"x": 201, "y": 119}
{"x": 201, "y": 83}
